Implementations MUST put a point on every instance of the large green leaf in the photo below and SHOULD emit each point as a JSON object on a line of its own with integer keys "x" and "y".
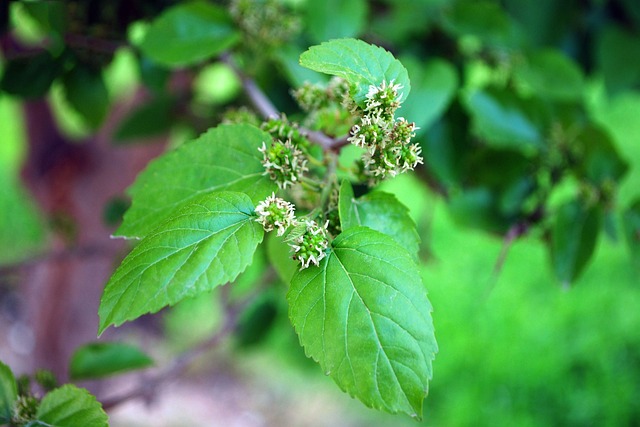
{"x": 573, "y": 239}
{"x": 70, "y": 406}
{"x": 96, "y": 360}
{"x": 331, "y": 19}
{"x": 379, "y": 211}
{"x": 363, "y": 314}
{"x": 550, "y": 74}
{"x": 8, "y": 393}
{"x": 359, "y": 63}
{"x": 205, "y": 244}
{"x": 188, "y": 33}
{"x": 224, "y": 158}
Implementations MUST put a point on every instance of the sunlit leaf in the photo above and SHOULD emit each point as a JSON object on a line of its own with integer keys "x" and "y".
{"x": 8, "y": 393}
{"x": 70, "y": 406}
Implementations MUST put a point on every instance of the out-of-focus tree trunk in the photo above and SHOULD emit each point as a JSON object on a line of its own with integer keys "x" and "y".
{"x": 72, "y": 183}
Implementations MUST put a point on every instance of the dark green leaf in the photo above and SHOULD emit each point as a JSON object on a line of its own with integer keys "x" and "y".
{"x": 379, "y": 211}
{"x": 205, "y": 244}
{"x": 359, "y": 63}
{"x": 602, "y": 162}
{"x": 224, "y": 158}
{"x": 502, "y": 120}
{"x": 573, "y": 238}
{"x": 51, "y": 16}
{"x": 477, "y": 208}
{"x": 87, "y": 93}
{"x": 618, "y": 56}
{"x": 363, "y": 314}
{"x": 30, "y": 77}
{"x": 189, "y": 33}
{"x": 153, "y": 76}
{"x": 97, "y": 360}
{"x": 550, "y": 74}
{"x": 332, "y": 19}
{"x": 70, "y": 406}
{"x": 631, "y": 226}
{"x": 434, "y": 85}
{"x": 8, "y": 393}
{"x": 153, "y": 118}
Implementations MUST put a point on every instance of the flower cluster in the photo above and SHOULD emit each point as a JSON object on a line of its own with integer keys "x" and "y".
{"x": 281, "y": 129}
{"x": 308, "y": 240}
{"x": 266, "y": 24}
{"x": 312, "y": 96}
{"x": 274, "y": 212}
{"x": 283, "y": 162}
{"x": 387, "y": 140}
{"x": 310, "y": 246}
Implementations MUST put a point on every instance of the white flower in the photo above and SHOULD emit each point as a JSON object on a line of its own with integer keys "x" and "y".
{"x": 274, "y": 212}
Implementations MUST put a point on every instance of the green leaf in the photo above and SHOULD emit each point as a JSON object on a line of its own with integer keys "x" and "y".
{"x": 631, "y": 226}
{"x": 30, "y": 77}
{"x": 363, "y": 314}
{"x": 205, "y": 244}
{"x": 153, "y": 118}
{"x": 279, "y": 255}
{"x": 97, "y": 360}
{"x": 617, "y": 54}
{"x": 573, "y": 239}
{"x": 225, "y": 158}
{"x": 550, "y": 74}
{"x": 359, "y": 63}
{"x": 70, "y": 406}
{"x": 8, "y": 393}
{"x": 189, "y": 33}
{"x": 379, "y": 211}
{"x": 601, "y": 162}
{"x": 434, "y": 86}
{"x": 87, "y": 93}
{"x": 332, "y": 19}
{"x": 502, "y": 120}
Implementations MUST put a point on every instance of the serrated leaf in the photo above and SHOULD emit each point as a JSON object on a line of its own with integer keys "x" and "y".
{"x": 203, "y": 245}
{"x": 550, "y": 74}
{"x": 8, "y": 393}
{"x": 70, "y": 406}
{"x": 379, "y": 211}
{"x": 573, "y": 239}
{"x": 225, "y": 158}
{"x": 87, "y": 93}
{"x": 359, "y": 63}
{"x": 363, "y": 314}
{"x": 189, "y": 33}
{"x": 97, "y": 360}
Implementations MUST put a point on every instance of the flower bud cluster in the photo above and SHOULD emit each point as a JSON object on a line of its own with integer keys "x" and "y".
{"x": 310, "y": 247}
{"x": 387, "y": 140}
{"x": 283, "y": 162}
{"x": 275, "y": 213}
{"x": 266, "y": 24}
{"x": 314, "y": 96}
{"x": 309, "y": 244}
{"x": 281, "y": 129}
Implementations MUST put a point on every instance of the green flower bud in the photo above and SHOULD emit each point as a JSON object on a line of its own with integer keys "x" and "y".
{"x": 283, "y": 162}
{"x": 311, "y": 245}
{"x": 274, "y": 212}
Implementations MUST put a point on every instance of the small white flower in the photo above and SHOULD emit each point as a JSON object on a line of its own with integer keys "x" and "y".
{"x": 274, "y": 212}
{"x": 309, "y": 248}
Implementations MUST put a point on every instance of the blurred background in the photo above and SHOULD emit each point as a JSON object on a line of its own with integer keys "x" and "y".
{"x": 528, "y": 204}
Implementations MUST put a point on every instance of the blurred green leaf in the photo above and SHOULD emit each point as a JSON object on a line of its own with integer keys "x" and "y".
{"x": 574, "y": 234}
{"x": 550, "y": 74}
{"x": 256, "y": 320}
{"x": 225, "y": 158}
{"x": 188, "y": 33}
{"x": 618, "y": 56}
{"x": 70, "y": 406}
{"x": 207, "y": 243}
{"x": 8, "y": 393}
{"x": 96, "y": 360}
{"x": 30, "y": 77}
{"x": 477, "y": 207}
{"x": 279, "y": 254}
{"x": 86, "y": 92}
{"x": 483, "y": 19}
{"x": 601, "y": 162}
{"x": 333, "y": 19}
{"x": 631, "y": 227}
{"x": 154, "y": 76}
{"x": 151, "y": 119}
{"x": 544, "y": 22}
{"x": 358, "y": 62}
{"x": 502, "y": 120}
{"x": 434, "y": 85}
{"x": 379, "y": 211}
{"x": 363, "y": 314}
{"x": 52, "y": 18}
